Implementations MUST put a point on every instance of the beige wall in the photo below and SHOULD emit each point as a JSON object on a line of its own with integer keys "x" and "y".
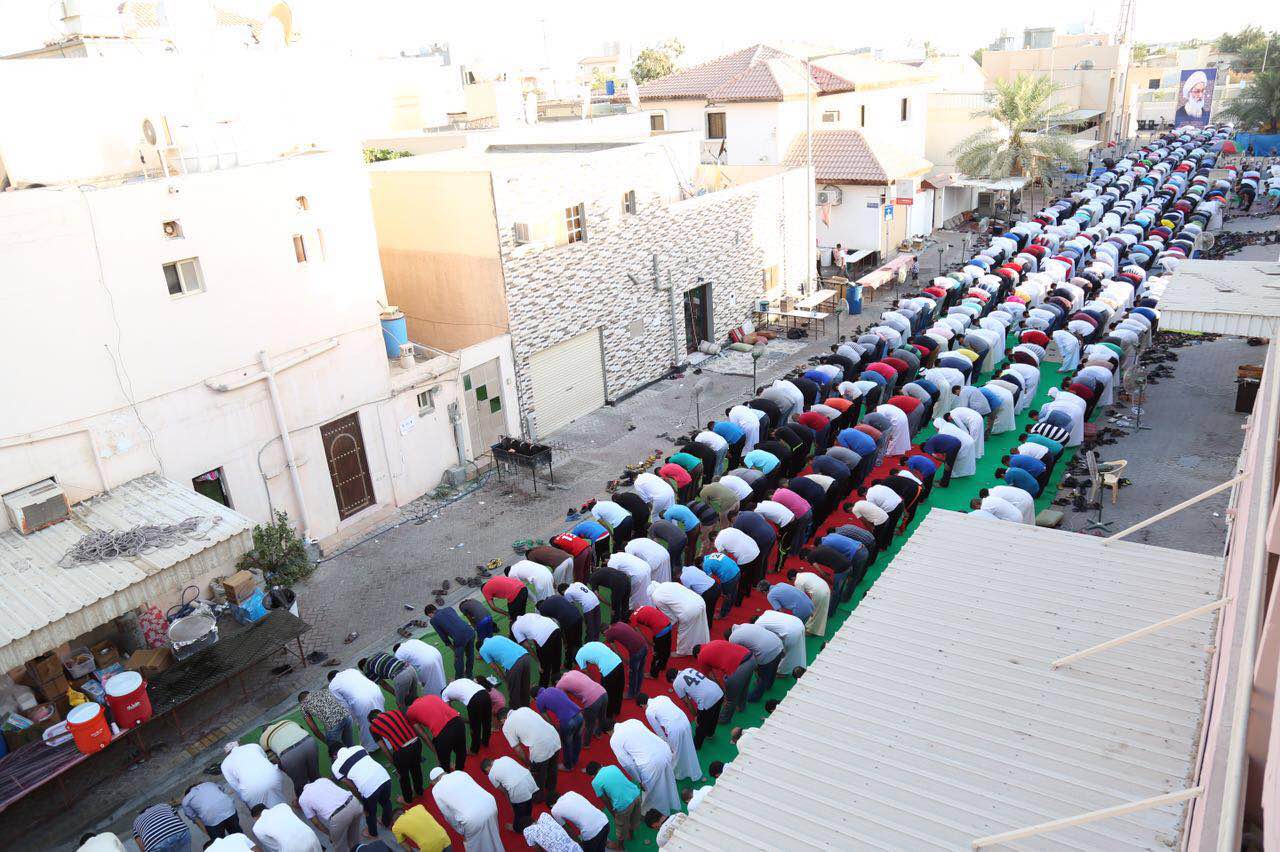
{"x": 438, "y": 240}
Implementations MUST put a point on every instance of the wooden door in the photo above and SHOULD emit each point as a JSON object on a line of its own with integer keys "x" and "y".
{"x": 348, "y": 465}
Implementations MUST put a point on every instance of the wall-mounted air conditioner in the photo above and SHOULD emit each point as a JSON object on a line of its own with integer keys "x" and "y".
{"x": 37, "y": 506}
{"x": 830, "y": 195}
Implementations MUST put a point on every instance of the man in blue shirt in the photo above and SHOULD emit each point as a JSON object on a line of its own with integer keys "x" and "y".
{"x": 787, "y": 598}
{"x": 925, "y": 468}
{"x": 1019, "y": 478}
{"x": 457, "y": 634}
{"x": 761, "y": 460}
{"x": 683, "y": 517}
{"x": 510, "y": 661}
{"x": 596, "y": 533}
{"x": 724, "y": 569}
{"x": 734, "y": 435}
{"x": 947, "y": 446}
{"x": 858, "y": 441}
{"x": 1031, "y": 465}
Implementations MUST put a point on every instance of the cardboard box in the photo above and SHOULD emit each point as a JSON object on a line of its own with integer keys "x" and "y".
{"x": 149, "y": 662}
{"x": 44, "y": 668}
{"x": 17, "y": 739}
{"x": 104, "y": 654}
{"x": 54, "y": 689}
{"x": 239, "y": 586}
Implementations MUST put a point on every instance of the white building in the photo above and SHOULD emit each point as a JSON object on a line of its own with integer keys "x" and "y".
{"x": 957, "y": 92}
{"x": 202, "y": 297}
{"x": 607, "y": 260}
{"x": 753, "y": 107}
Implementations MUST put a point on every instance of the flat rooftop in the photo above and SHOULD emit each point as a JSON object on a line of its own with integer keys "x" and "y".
{"x": 1240, "y": 297}
{"x": 500, "y": 156}
{"x": 934, "y": 717}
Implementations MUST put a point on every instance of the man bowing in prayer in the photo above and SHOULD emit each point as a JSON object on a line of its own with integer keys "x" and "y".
{"x": 469, "y": 809}
{"x": 647, "y": 758}
{"x": 670, "y": 722}
{"x": 687, "y": 609}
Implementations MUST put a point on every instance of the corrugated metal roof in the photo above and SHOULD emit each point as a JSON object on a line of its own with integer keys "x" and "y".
{"x": 43, "y": 605}
{"x": 1223, "y": 296}
{"x": 933, "y": 718}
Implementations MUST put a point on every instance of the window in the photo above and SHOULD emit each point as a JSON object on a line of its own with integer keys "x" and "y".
{"x": 522, "y": 233}
{"x": 172, "y": 230}
{"x": 629, "y": 202}
{"x": 771, "y": 279}
{"x": 575, "y": 220}
{"x": 1153, "y": 83}
{"x": 904, "y": 109}
{"x": 301, "y": 201}
{"x": 657, "y": 121}
{"x": 427, "y": 402}
{"x": 213, "y": 484}
{"x": 299, "y": 248}
{"x": 183, "y": 277}
{"x": 831, "y": 116}
{"x": 320, "y": 243}
{"x": 715, "y": 125}
{"x": 862, "y": 116}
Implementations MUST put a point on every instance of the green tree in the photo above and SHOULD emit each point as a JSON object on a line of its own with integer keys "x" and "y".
{"x": 1252, "y": 45}
{"x": 278, "y": 552}
{"x": 657, "y": 61}
{"x": 976, "y": 56}
{"x": 1143, "y": 51}
{"x": 377, "y": 155}
{"x": 1019, "y": 145}
{"x": 1258, "y": 106}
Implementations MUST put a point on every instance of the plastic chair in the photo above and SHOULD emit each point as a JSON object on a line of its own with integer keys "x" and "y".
{"x": 1111, "y": 476}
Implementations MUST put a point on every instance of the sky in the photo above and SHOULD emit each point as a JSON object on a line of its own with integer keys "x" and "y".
{"x": 562, "y": 31}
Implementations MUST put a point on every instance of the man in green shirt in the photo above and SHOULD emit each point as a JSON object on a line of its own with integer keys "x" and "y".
{"x": 621, "y": 797}
{"x": 295, "y": 751}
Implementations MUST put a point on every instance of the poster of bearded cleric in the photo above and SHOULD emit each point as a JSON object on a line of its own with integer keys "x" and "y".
{"x": 1195, "y": 97}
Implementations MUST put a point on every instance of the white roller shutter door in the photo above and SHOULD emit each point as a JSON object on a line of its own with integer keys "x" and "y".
{"x": 568, "y": 382}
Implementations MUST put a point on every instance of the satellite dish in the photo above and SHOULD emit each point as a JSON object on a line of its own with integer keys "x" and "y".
{"x": 148, "y": 131}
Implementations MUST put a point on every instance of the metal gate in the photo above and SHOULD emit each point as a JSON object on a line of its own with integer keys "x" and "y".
{"x": 348, "y": 465}
{"x": 568, "y": 381}
{"x": 486, "y": 419}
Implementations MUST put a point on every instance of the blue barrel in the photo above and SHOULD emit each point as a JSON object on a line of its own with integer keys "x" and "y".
{"x": 610, "y": 87}
{"x": 395, "y": 333}
{"x": 853, "y": 295}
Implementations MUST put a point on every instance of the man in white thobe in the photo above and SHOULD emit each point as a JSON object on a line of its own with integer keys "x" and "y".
{"x": 255, "y": 779}
{"x": 817, "y": 590}
{"x": 539, "y": 579}
{"x": 1068, "y": 348}
{"x": 360, "y": 695}
{"x": 647, "y": 758}
{"x": 790, "y": 630}
{"x": 426, "y": 661}
{"x": 640, "y": 575}
{"x": 656, "y": 491}
{"x": 471, "y": 810}
{"x": 1016, "y": 497}
{"x": 966, "y": 459}
{"x": 748, "y": 421}
{"x": 657, "y": 555}
{"x": 1005, "y": 420}
{"x": 687, "y": 609}
{"x": 670, "y": 722}
{"x": 972, "y": 422}
{"x": 899, "y": 437}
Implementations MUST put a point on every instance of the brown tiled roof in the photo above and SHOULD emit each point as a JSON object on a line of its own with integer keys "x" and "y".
{"x": 756, "y": 73}
{"x": 845, "y": 156}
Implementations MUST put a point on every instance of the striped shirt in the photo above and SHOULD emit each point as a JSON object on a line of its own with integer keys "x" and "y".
{"x": 158, "y": 825}
{"x": 393, "y": 727}
{"x": 1053, "y": 433}
{"x": 383, "y": 666}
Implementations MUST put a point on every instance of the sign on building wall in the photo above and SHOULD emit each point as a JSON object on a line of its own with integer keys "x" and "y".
{"x": 1195, "y": 97}
{"x": 888, "y": 211}
{"x": 904, "y": 190}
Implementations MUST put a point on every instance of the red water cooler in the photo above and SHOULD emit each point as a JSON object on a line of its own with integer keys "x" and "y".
{"x": 127, "y": 697}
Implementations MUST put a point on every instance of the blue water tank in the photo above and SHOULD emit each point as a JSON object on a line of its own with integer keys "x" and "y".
{"x": 395, "y": 333}
{"x": 609, "y": 87}
{"x": 853, "y": 295}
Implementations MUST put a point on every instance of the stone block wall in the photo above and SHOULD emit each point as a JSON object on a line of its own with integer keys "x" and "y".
{"x": 726, "y": 239}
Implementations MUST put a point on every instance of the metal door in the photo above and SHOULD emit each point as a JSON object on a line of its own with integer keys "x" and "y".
{"x": 486, "y": 409}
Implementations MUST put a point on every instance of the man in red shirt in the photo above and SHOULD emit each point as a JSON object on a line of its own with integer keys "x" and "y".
{"x": 1036, "y": 336}
{"x": 911, "y": 407}
{"x": 397, "y": 736}
{"x": 448, "y": 733}
{"x": 821, "y": 426}
{"x": 513, "y": 594}
{"x": 730, "y": 665}
{"x": 656, "y": 628}
{"x": 581, "y": 551}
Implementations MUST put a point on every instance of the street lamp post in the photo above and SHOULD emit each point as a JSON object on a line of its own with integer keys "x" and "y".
{"x": 757, "y": 352}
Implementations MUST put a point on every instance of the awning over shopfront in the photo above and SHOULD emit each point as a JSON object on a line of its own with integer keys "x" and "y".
{"x": 1223, "y": 297}
{"x": 1076, "y": 116}
{"x": 43, "y": 604}
{"x": 935, "y": 716}
{"x": 1009, "y": 184}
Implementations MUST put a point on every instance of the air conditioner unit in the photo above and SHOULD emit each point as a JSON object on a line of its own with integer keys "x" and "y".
{"x": 37, "y": 506}
{"x": 523, "y": 232}
{"x": 831, "y": 195}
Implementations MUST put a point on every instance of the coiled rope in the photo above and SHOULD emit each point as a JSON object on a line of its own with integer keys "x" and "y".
{"x": 105, "y": 545}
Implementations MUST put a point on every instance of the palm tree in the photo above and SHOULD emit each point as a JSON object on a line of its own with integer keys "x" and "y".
{"x": 1258, "y": 106}
{"x": 1020, "y": 144}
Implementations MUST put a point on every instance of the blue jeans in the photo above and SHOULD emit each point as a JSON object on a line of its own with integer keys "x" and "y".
{"x": 571, "y": 742}
{"x": 464, "y": 658}
{"x": 839, "y": 584}
{"x": 766, "y": 674}
{"x": 343, "y": 735}
{"x": 178, "y": 843}
{"x": 728, "y": 596}
{"x": 635, "y": 673}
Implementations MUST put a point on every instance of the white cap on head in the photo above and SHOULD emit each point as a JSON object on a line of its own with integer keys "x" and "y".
{"x": 435, "y": 774}
{"x": 1196, "y": 78}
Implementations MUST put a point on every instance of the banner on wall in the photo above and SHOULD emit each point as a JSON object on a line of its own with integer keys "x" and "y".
{"x": 1195, "y": 97}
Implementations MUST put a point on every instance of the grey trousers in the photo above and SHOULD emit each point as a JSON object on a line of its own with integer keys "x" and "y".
{"x": 735, "y": 689}
{"x": 344, "y": 826}
{"x": 301, "y": 762}
{"x": 406, "y": 687}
